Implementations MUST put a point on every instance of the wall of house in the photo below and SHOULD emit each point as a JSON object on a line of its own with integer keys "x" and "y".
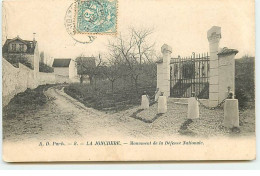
{"x": 61, "y": 79}
{"x": 46, "y": 78}
{"x": 62, "y": 71}
{"x": 17, "y": 48}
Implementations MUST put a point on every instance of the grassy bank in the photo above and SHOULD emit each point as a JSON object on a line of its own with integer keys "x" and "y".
{"x": 29, "y": 100}
{"x": 101, "y": 97}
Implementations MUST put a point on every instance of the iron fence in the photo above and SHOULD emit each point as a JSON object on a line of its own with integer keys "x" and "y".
{"x": 190, "y": 75}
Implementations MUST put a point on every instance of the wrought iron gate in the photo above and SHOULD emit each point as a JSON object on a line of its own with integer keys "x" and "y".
{"x": 190, "y": 75}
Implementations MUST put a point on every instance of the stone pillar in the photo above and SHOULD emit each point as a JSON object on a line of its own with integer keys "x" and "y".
{"x": 214, "y": 36}
{"x": 165, "y": 83}
{"x": 226, "y": 72}
{"x": 145, "y": 102}
{"x": 162, "y": 104}
{"x": 193, "y": 108}
{"x": 179, "y": 68}
{"x": 231, "y": 113}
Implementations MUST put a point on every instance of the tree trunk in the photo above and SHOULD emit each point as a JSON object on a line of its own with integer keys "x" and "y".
{"x": 81, "y": 79}
{"x": 136, "y": 84}
{"x": 112, "y": 86}
{"x": 95, "y": 83}
{"x": 132, "y": 83}
{"x": 91, "y": 80}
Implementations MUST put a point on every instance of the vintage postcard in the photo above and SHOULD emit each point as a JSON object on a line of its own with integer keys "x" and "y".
{"x": 128, "y": 80}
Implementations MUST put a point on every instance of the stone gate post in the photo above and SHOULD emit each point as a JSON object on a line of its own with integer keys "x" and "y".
{"x": 214, "y": 36}
{"x": 163, "y": 71}
{"x": 226, "y": 72}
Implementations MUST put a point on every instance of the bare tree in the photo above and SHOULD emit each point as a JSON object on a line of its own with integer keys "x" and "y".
{"x": 151, "y": 69}
{"x": 113, "y": 70}
{"x": 142, "y": 46}
{"x": 134, "y": 52}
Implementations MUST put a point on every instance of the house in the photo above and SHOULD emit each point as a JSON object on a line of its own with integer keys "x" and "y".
{"x": 17, "y": 50}
{"x": 65, "y": 67}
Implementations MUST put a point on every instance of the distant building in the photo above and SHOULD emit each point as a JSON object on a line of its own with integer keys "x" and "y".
{"x": 87, "y": 61}
{"x": 83, "y": 64}
{"x": 65, "y": 67}
{"x": 24, "y": 51}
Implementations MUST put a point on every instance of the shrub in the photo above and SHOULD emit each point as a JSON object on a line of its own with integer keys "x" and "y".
{"x": 101, "y": 97}
{"x": 242, "y": 98}
{"x": 245, "y": 81}
{"x": 45, "y": 68}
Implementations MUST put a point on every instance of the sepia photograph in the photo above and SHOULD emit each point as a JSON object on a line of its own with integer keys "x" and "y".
{"x": 128, "y": 80}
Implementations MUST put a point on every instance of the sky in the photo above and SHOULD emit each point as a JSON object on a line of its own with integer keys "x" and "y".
{"x": 181, "y": 24}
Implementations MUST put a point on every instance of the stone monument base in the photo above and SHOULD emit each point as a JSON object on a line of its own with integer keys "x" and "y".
{"x": 162, "y": 104}
{"x": 145, "y": 102}
{"x": 231, "y": 113}
{"x": 193, "y": 108}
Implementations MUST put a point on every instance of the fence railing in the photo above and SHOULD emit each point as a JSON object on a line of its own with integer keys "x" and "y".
{"x": 190, "y": 75}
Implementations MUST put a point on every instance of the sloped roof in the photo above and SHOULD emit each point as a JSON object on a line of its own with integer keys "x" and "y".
{"x": 30, "y": 49}
{"x": 226, "y": 51}
{"x": 60, "y": 62}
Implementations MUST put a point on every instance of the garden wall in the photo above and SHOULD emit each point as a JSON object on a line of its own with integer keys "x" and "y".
{"x": 46, "y": 78}
{"x": 9, "y": 81}
{"x": 16, "y": 80}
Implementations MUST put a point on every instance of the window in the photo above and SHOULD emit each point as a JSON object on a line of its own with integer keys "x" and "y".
{"x": 21, "y": 47}
{"x": 13, "y": 47}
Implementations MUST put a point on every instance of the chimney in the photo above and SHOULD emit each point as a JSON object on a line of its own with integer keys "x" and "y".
{"x": 34, "y": 42}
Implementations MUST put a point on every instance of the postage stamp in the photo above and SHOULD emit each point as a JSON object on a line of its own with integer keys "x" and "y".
{"x": 96, "y": 16}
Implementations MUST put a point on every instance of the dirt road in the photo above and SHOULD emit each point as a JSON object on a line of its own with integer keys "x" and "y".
{"x": 64, "y": 117}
